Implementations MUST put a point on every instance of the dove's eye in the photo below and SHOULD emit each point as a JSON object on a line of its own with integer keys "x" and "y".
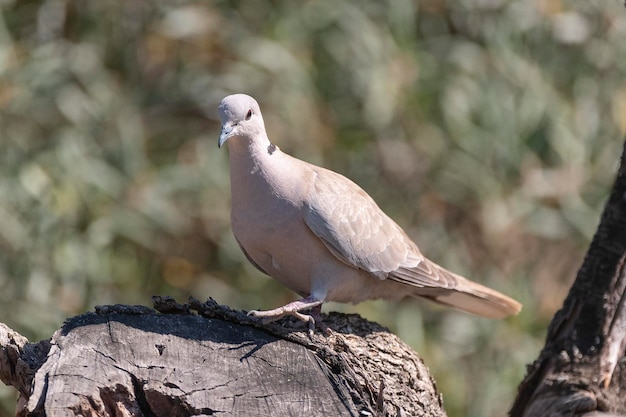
{"x": 249, "y": 114}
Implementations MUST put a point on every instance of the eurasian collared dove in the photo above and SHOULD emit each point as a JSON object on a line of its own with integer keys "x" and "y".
{"x": 322, "y": 236}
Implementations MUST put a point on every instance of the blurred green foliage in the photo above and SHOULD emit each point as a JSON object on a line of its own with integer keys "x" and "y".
{"x": 489, "y": 129}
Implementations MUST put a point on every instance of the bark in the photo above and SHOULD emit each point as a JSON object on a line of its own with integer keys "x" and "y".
{"x": 582, "y": 368}
{"x": 204, "y": 359}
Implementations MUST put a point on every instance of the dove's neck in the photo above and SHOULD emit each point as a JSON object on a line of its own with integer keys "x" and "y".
{"x": 252, "y": 161}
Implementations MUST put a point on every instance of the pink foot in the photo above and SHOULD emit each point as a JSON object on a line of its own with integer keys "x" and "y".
{"x": 294, "y": 309}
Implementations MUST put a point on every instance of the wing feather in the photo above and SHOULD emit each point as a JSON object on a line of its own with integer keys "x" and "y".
{"x": 354, "y": 228}
{"x": 357, "y": 232}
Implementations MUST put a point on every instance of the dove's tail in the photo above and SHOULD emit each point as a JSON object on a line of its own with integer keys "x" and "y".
{"x": 469, "y": 296}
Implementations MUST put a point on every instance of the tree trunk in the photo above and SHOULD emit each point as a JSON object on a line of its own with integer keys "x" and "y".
{"x": 134, "y": 361}
{"x": 582, "y": 368}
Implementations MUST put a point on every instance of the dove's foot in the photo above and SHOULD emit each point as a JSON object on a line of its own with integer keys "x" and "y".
{"x": 294, "y": 309}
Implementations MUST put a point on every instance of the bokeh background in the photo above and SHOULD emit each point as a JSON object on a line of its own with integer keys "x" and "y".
{"x": 489, "y": 129}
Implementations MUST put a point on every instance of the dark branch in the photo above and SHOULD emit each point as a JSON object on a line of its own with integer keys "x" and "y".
{"x": 579, "y": 369}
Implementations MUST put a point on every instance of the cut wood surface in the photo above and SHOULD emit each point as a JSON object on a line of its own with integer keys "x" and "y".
{"x": 204, "y": 359}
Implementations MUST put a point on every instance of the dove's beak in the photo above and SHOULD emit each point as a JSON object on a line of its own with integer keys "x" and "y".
{"x": 227, "y": 129}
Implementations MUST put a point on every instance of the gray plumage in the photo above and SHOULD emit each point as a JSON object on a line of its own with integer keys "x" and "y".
{"x": 321, "y": 235}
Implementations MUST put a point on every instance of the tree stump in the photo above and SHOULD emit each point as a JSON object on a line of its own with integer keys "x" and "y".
{"x": 135, "y": 361}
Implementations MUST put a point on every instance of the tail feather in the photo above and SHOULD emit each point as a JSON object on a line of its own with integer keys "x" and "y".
{"x": 491, "y": 307}
{"x": 469, "y": 296}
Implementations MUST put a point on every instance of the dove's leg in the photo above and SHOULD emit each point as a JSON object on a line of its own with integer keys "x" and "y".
{"x": 293, "y": 309}
{"x": 316, "y": 313}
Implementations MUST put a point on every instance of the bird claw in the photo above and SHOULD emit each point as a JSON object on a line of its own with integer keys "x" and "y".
{"x": 293, "y": 309}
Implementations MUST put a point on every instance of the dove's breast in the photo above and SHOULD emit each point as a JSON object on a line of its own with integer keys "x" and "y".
{"x": 267, "y": 221}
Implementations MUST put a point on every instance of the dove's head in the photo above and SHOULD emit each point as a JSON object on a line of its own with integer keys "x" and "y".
{"x": 241, "y": 118}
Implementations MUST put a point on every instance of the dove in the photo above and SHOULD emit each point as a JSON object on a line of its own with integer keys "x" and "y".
{"x": 323, "y": 236}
